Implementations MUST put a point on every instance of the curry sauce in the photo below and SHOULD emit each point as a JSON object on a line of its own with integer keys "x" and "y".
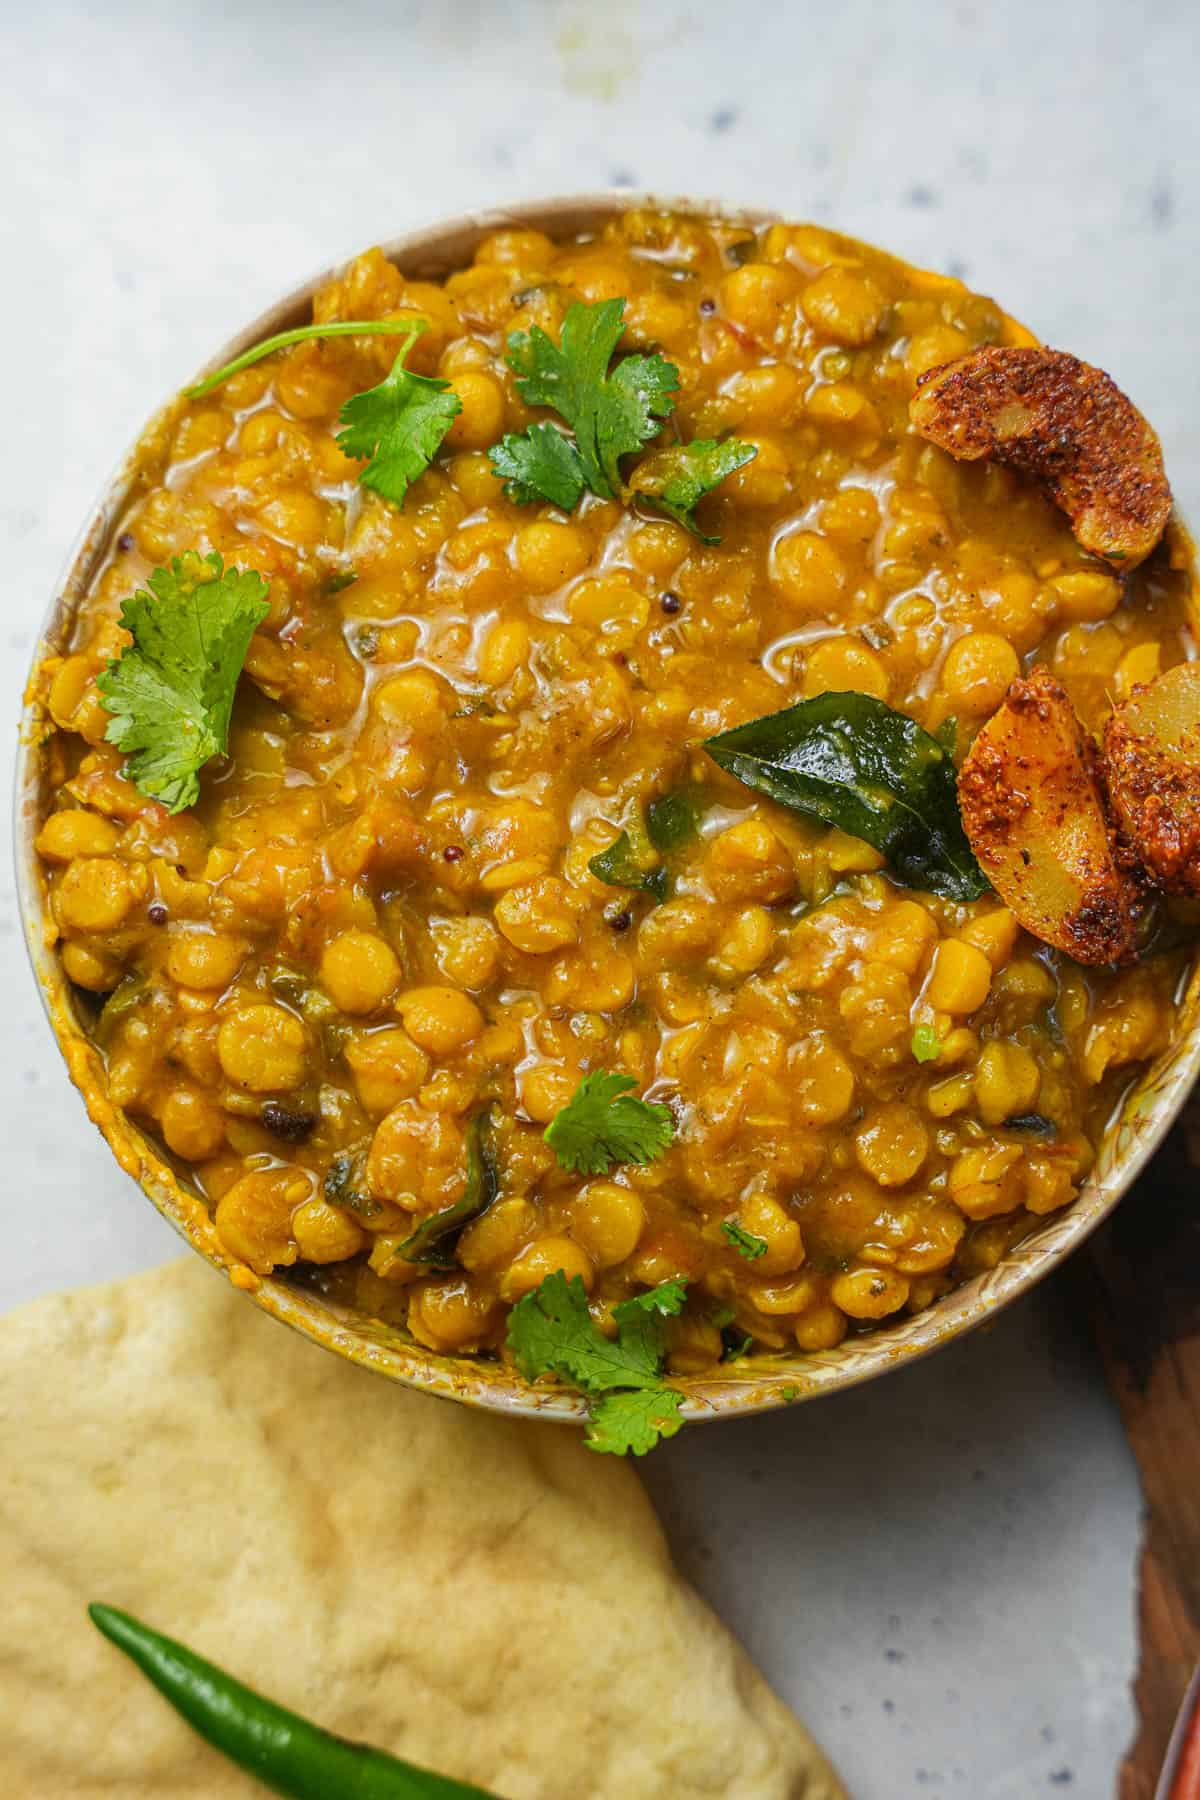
{"x": 381, "y": 923}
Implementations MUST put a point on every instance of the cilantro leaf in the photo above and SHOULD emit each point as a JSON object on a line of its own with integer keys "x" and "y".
{"x": 397, "y": 427}
{"x": 551, "y": 1332}
{"x": 171, "y": 690}
{"x": 675, "y": 480}
{"x": 667, "y": 1298}
{"x": 539, "y": 463}
{"x": 926, "y": 1044}
{"x": 744, "y": 1242}
{"x": 618, "y": 866}
{"x": 641, "y": 1334}
{"x": 283, "y": 340}
{"x": 634, "y": 1423}
{"x": 611, "y": 415}
{"x": 602, "y": 1124}
{"x": 639, "y": 396}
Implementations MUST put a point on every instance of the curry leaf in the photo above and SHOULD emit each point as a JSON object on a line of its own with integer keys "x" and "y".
{"x": 852, "y": 761}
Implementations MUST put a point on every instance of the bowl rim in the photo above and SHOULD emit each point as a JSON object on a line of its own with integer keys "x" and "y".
{"x": 1157, "y": 1097}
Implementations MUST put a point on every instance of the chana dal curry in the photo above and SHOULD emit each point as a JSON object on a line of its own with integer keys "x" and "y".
{"x": 618, "y": 814}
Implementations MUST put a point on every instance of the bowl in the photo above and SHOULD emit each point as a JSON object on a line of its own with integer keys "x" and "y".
{"x": 1131, "y": 1137}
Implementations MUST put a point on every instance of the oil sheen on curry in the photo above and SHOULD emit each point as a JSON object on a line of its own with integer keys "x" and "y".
{"x": 875, "y": 969}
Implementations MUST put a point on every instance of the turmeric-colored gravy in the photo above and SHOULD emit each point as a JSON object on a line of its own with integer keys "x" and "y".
{"x": 380, "y": 919}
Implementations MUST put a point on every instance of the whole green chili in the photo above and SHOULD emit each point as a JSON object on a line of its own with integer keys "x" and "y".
{"x": 279, "y": 1748}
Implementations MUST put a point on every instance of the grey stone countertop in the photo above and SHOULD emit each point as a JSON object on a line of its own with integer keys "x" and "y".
{"x": 937, "y": 1570}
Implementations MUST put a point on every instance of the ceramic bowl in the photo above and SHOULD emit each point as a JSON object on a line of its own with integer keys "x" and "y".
{"x": 1129, "y": 1141}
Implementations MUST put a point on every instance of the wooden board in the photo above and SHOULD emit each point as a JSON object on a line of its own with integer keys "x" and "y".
{"x": 1141, "y": 1279}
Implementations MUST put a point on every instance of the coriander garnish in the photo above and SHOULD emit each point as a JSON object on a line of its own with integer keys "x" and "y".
{"x": 171, "y": 690}
{"x": 603, "y": 1123}
{"x": 551, "y": 1332}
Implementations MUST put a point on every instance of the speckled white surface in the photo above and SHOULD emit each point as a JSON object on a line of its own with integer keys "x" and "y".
{"x": 938, "y": 1570}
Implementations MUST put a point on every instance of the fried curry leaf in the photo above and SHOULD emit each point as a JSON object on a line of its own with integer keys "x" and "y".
{"x": 633, "y": 1423}
{"x": 611, "y": 415}
{"x": 603, "y": 1123}
{"x": 675, "y": 480}
{"x": 171, "y": 690}
{"x": 618, "y": 866}
{"x": 397, "y": 427}
{"x": 539, "y": 463}
{"x": 345, "y": 1182}
{"x": 852, "y": 761}
{"x": 744, "y": 1242}
{"x": 1036, "y": 1124}
{"x": 432, "y": 1241}
{"x": 552, "y": 1332}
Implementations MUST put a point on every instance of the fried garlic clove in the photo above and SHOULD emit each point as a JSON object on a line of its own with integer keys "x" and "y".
{"x": 1152, "y": 767}
{"x": 1033, "y": 811}
{"x": 1065, "y": 423}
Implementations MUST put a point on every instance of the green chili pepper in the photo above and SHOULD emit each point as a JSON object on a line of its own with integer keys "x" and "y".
{"x": 279, "y": 1748}
{"x": 431, "y": 1241}
{"x": 130, "y": 991}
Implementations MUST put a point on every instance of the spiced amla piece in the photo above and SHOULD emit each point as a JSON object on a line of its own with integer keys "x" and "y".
{"x": 503, "y": 816}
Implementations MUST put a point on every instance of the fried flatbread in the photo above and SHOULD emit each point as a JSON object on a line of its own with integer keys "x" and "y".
{"x": 481, "y": 1595}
